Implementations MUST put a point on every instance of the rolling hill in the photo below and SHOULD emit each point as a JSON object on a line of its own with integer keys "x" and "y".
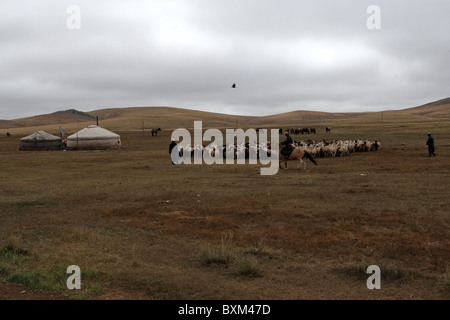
{"x": 135, "y": 118}
{"x": 437, "y": 109}
{"x": 56, "y": 118}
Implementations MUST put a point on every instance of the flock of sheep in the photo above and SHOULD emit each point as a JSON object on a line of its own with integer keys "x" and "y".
{"x": 318, "y": 149}
{"x": 337, "y": 148}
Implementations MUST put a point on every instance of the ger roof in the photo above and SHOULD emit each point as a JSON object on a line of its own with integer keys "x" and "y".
{"x": 41, "y": 136}
{"x": 93, "y": 132}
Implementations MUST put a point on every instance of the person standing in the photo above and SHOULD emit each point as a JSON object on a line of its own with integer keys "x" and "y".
{"x": 172, "y": 145}
{"x": 430, "y": 144}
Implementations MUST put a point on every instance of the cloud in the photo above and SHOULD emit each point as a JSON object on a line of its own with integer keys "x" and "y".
{"x": 283, "y": 55}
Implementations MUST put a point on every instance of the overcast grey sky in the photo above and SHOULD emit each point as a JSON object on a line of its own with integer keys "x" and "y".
{"x": 283, "y": 55}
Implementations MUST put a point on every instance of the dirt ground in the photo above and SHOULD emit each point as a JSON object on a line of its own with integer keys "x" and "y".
{"x": 14, "y": 291}
{"x": 143, "y": 229}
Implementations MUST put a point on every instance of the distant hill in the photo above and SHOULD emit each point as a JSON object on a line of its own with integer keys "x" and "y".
{"x": 164, "y": 118}
{"x": 437, "y": 109}
{"x": 59, "y": 117}
{"x": 135, "y": 118}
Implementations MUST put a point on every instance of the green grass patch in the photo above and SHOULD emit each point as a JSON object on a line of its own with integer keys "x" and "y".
{"x": 389, "y": 273}
{"x": 55, "y": 279}
{"x": 23, "y": 205}
{"x": 216, "y": 255}
{"x": 4, "y": 271}
{"x": 12, "y": 248}
{"x": 8, "y": 251}
{"x": 90, "y": 273}
{"x": 447, "y": 287}
{"x": 35, "y": 279}
{"x": 223, "y": 254}
{"x": 227, "y": 254}
{"x": 17, "y": 265}
{"x": 93, "y": 283}
{"x": 248, "y": 266}
{"x": 446, "y": 283}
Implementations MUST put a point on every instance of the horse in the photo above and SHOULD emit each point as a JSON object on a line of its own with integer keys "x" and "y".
{"x": 155, "y": 131}
{"x": 328, "y": 129}
{"x": 296, "y": 154}
{"x": 8, "y": 134}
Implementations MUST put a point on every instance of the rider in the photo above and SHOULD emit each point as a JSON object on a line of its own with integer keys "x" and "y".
{"x": 287, "y": 145}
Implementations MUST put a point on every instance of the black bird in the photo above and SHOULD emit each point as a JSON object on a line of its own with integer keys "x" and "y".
{"x": 234, "y": 85}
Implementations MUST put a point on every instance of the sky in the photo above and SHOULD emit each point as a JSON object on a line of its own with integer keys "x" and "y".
{"x": 283, "y": 55}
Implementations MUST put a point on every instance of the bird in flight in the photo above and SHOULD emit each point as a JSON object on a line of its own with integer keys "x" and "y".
{"x": 234, "y": 85}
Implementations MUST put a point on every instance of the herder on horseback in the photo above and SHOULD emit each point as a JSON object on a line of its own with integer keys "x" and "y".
{"x": 290, "y": 152}
{"x": 288, "y": 145}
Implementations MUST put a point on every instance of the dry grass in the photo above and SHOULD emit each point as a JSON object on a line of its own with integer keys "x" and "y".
{"x": 141, "y": 228}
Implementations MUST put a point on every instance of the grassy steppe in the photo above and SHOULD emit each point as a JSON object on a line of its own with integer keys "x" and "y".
{"x": 141, "y": 228}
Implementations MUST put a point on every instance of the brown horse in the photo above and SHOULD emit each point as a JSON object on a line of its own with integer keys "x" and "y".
{"x": 155, "y": 131}
{"x": 297, "y": 154}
